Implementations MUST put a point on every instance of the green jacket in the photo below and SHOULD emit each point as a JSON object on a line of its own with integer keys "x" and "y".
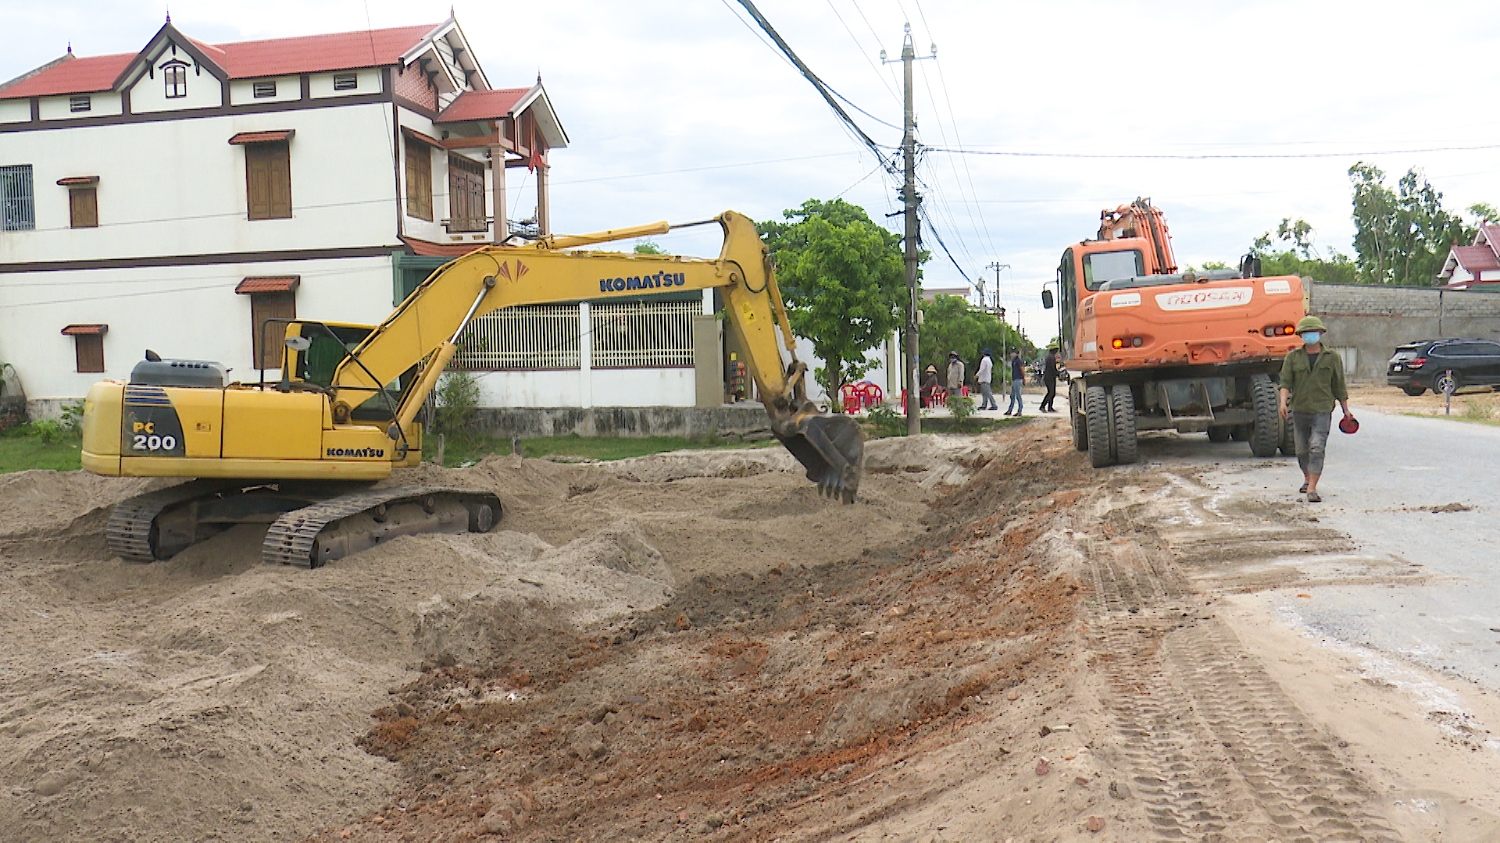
{"x": 1315, "y": 389}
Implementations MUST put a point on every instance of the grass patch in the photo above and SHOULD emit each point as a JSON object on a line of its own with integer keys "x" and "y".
{"x": 472, "y": 449}
{"x": 20, "y": 451}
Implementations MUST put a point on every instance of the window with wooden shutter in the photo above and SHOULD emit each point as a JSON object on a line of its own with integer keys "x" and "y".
{"x": 268, "y": 180}
{"x": 418, "y": 179}
{"x": 267, "y": 342}
{"x": 466, "y": 205}
{"x": 88, "y": 346}
{"x": 90, "y": 352}
{"x": 83, "y": 207}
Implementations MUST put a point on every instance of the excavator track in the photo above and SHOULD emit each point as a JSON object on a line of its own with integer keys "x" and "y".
{"x": 130, "y": 528}
{"x": 294, "y": 537}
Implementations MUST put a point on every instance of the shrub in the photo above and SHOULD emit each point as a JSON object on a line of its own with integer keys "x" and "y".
{"x": 457, "y": 400}
{"x": 887, "y": 421}
{"x": 962, "y": 408}
{"x": 72, "y": 418}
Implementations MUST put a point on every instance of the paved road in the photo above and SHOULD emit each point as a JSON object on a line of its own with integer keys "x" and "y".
{"x": 1380, "y": 486}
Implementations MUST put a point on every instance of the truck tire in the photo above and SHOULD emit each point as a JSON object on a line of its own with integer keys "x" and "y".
{"x": 1080, "y": 429}
{"x": 1098, "y": 427}
{"x": 1288, "y": 439}
{"x": 1220, "y": 434}
{"x": 1122, "y": 410}
{"x": 1265, "y": 435}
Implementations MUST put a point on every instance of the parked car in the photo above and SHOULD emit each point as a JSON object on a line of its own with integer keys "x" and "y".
{"x": 1419, "y": 366}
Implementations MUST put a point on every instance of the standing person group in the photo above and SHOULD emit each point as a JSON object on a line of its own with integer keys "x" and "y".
{"x": 986, "y": 374}
{"x": 1312, "y": 381}
{"x": 1049, "y": 377}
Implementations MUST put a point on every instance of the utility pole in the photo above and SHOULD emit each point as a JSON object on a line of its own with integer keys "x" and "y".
{"x": 913, "y": 235}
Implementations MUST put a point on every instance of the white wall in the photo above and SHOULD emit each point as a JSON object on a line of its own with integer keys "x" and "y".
{"x": 105, "y": 104}
{"x": 186, "y": 312}
{"x": 178, "y": 187}
{"x": 886, "y": 373}
{"x": 591, "y": 388}
{"x": 15, "y": 111}
{"x": 242, "y": 91}
{"x": 149, "y": 94}
{"x": 320, "y": 85}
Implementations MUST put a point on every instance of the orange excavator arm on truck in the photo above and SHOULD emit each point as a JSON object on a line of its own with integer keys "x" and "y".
{"x": 1142, "y": 219}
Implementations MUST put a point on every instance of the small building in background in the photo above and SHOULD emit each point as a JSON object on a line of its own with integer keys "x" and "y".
{"x": 1476, "y": 265}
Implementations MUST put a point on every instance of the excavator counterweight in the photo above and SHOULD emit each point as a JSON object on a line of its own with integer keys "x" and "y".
{"x": 302, "y": 453}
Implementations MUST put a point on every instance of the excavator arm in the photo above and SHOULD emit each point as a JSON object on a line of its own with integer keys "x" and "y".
{"x": 425, "y": 329}
{"x": 1142, "y": 219}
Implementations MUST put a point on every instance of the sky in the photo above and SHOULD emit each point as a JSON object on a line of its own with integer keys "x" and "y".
{"x": 678, "y": 109}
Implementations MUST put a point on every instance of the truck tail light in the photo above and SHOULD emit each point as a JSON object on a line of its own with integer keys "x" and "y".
{"x": 1119, "y": 342}
{"x": 1126, "y": 342}
{"x": 1280, "y": 330}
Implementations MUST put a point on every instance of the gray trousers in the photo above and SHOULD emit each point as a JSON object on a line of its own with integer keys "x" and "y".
{"x": 987, "y": 398}
{"x": 1311, "y": 430}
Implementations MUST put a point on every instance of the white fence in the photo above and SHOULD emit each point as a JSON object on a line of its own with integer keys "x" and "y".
{"x": 624, "y": 335}
{"x": 529, "y": 337}
{"x": 639, "y": 335}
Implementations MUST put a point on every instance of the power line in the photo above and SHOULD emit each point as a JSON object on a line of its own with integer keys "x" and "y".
{"x": 822, "y": 87}
{"x": 1208, "y": 156}
{"x": 944, "y": 246}
{"x": 861, "y": 48}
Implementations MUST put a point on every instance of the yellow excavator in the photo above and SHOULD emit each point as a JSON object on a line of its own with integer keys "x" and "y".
{"x": 304, "y": 454}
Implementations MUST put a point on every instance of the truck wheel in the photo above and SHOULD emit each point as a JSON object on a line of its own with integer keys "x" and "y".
{"x": 1265, "y": 435}
{"x": 1080, "y": 428}
{"x": 1122, "y": 407}
{"x": 1220, "y": 434}
{"x": 1096, "y": 420}
{"x": 1288, "y": 438}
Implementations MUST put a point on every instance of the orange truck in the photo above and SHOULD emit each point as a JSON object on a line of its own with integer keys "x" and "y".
{"x": 1152, "y": 348}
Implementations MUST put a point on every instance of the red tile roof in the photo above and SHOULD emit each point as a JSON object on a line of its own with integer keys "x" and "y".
{"x": 84, "y": 330}
{"x": 263, "y": 137}
{"x": 1477, "y": 259}
{"x": 317, "y": 53}
{"x": 241, "y": 60}
{"x": 427, "y": 248}
{"x": 268, "y": 284}
{"x": 74, "y": 181}
{"x": 73, "y": 76}
{"x": 482, "y": 105}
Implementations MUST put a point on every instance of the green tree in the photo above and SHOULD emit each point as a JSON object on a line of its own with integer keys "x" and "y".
{"x": 1402, "y": 236}
{"x": 843, "y": 280}
{"x": 1299, "y": 255}
{"x": 647, "y": 246}
{"x": 950, "y": 323}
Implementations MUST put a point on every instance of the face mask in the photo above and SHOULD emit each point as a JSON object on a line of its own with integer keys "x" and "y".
{"x": 1312, "y": 337}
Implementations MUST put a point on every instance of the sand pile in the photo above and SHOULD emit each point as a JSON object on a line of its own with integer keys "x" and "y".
{"x": 211, "y": 695}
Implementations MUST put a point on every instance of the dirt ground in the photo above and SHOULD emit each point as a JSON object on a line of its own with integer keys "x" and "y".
{"x": 995, "y": 643}
{"x": 1475, "y": 403}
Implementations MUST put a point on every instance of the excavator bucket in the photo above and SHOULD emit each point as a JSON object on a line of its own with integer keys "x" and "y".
{"x": 831, "y": 448}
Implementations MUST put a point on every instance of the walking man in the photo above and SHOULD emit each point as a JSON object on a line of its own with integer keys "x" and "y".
{"x": 1017, "y": 380}
{"x": 1311, "y": 382}
{"x": 983, "y": 376}
{"x": 1049, "y": 377}
{"x": 955, "y": 374}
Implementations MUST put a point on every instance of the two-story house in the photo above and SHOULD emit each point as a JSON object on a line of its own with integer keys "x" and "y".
{"x": 178, "y": 197}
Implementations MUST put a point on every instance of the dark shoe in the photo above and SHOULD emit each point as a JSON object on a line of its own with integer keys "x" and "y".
{"x": 1314, "y": 497}
{"x": 1303, "y": 490}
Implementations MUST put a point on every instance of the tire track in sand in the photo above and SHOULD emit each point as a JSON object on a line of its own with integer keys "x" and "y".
{"x": 1216, "y": 750}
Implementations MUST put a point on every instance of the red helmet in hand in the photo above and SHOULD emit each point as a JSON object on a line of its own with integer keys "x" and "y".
{"x": 1349, "y": 424}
